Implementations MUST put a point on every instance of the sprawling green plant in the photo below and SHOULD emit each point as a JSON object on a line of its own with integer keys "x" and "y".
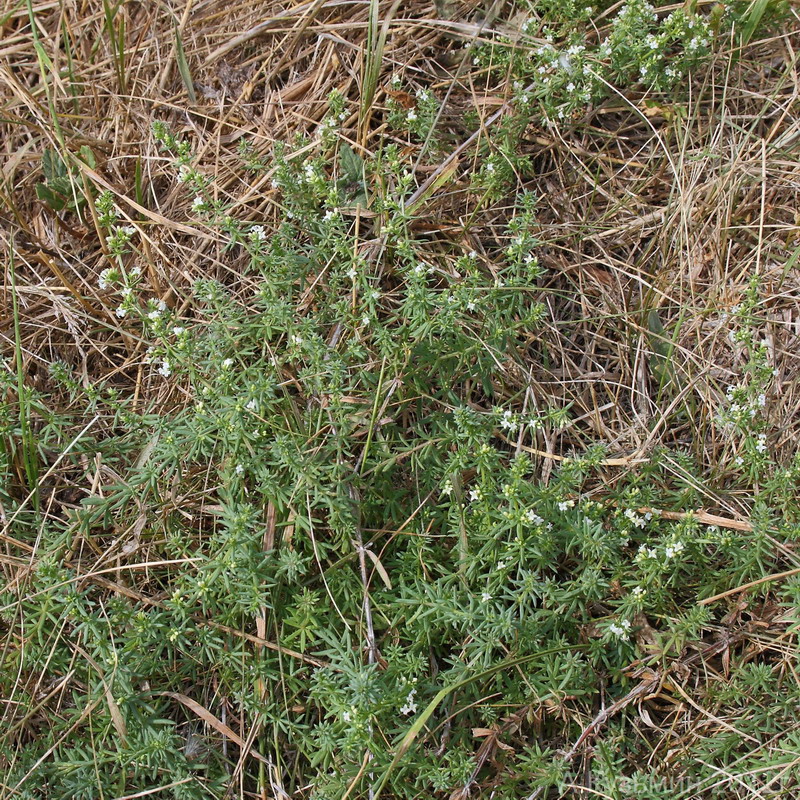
{"x": 330, "y": 544}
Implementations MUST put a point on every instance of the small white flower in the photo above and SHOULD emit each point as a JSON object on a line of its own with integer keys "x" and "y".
{"x": 257, "y": 233}
{"x": 351, "y": 273}
{"x": 501, "y": 565}
{"x": 103, "y": 280}
{"x": 507, "y": 421}
{"x": 762, "y": 400}
{"x": 490, "y": 168}
{"x": 565, "y": 504}
{"x": 411, "y": 115}
{"x": 296, "y": 340}
{"x": 227, "y": 363}
{"x": 637, "y": 520}
{"x": 198, "y": 203}
{"x": 570, "y": 87}
{"x": 252, "y": 405}
{"x": 184, "y": 173}
{"x": 239, "y": 469}
{"x": 165, "y": 369}
{"x": 476, "y": 494}
{"x": 674, "y": 549}
{"x": 622, "y": 630}
{"x": 346, "y": 716}
{"x": 471, "y": 306}
{"x": 154, "y": 315}
{"x": 645, "y": 552}
{"x": 761, "y": 444}
{"x": 739, "y": 461}
{"x": 639, "y": 592}
{"x": 178, "y": 330}
{"x": 532, "y": 517}
{"x": 330, "y": 214}
{"x": 486, "y": 597}
{"x": 121, "y": 311}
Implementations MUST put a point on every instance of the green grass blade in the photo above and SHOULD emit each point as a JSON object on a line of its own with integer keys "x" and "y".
{"x": 183, "y": 66}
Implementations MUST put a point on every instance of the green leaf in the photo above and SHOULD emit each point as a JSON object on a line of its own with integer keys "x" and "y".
{"x": 88, "y": 156}
{"x": 183, "y": 67}
{"x": 53, "y": 165}
{"x": 351, "y": 164}
{"x": 56, "y": 202}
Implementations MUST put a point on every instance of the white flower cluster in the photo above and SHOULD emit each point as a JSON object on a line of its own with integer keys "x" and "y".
{"x": 118, "y": 239}
{"x": 509, "y": 421}
{"x": 156, "y": 313}
{"x": 532, "y": 518}
{"x": 257, "y": 234}
{"x": 107, "y": 277}
{"x": 644, "y": 552}
{"x": 330, "y": 124}
{"x": 410, "y": 706}
{"x": 621, "y": 631}
{"x": 638, "y": 520}
{"x": 674, "y": 548}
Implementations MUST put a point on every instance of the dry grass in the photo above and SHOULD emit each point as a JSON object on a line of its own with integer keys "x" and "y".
{"x": 653, "y": 216}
